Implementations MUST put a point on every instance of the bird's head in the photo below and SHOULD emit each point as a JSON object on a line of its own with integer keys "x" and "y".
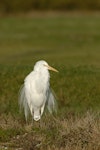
{"x": 43, "y": 65}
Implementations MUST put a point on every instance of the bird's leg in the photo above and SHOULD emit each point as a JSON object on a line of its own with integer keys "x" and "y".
{"x": 32, "y": 113}
{"x": 42, "y": 109}
{"x": 31, "y": 110}
{"x": 40, "y": 123}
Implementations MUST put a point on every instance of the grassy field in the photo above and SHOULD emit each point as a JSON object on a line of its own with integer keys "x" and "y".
{"x": 70, "y": 43}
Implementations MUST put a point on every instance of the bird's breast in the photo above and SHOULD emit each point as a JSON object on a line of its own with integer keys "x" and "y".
{"x": 37, "y": 83}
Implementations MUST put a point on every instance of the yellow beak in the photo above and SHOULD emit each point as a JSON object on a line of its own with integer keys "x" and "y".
{"x": 51, "y": 68}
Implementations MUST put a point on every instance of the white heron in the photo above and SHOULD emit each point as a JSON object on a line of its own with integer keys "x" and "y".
{"x": 36, "y": 93}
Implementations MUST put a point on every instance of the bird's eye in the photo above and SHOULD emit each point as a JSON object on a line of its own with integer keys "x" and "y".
{"x": 45, "y": 65}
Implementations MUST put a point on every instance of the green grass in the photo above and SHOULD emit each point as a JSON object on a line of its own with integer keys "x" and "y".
{"x": 70, "y": 43}
{"x": 71, "y": 39}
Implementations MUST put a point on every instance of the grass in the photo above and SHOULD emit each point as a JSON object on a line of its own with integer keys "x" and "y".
{"x": 70, "y": 43}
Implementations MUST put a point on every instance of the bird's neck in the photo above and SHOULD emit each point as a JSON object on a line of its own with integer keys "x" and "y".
{"x": 44, "y": 78}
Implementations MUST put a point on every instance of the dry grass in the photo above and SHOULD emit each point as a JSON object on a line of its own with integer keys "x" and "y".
{"x": 72, "y": 132}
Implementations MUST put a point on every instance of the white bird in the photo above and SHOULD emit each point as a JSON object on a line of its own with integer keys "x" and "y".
{"x": 36, "y": 93}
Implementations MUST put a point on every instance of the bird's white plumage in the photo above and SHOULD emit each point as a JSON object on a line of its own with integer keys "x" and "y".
{"x": 35, "y": 93}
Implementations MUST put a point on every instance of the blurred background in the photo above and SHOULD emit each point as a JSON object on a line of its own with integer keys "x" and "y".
{"x": 10, "y": 6}
{"x": 46, "y": 29}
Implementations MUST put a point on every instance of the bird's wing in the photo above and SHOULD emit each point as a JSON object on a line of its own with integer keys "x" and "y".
{"x": 51, "y": 101}
{"x": 23, "y": 101}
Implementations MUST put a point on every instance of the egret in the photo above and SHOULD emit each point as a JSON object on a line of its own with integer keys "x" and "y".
{"x": 36, "y": 94}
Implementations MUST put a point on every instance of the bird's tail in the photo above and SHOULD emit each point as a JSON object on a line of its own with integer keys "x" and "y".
{"x": 52, "y": 102}
{"x": 23, "y": 102}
